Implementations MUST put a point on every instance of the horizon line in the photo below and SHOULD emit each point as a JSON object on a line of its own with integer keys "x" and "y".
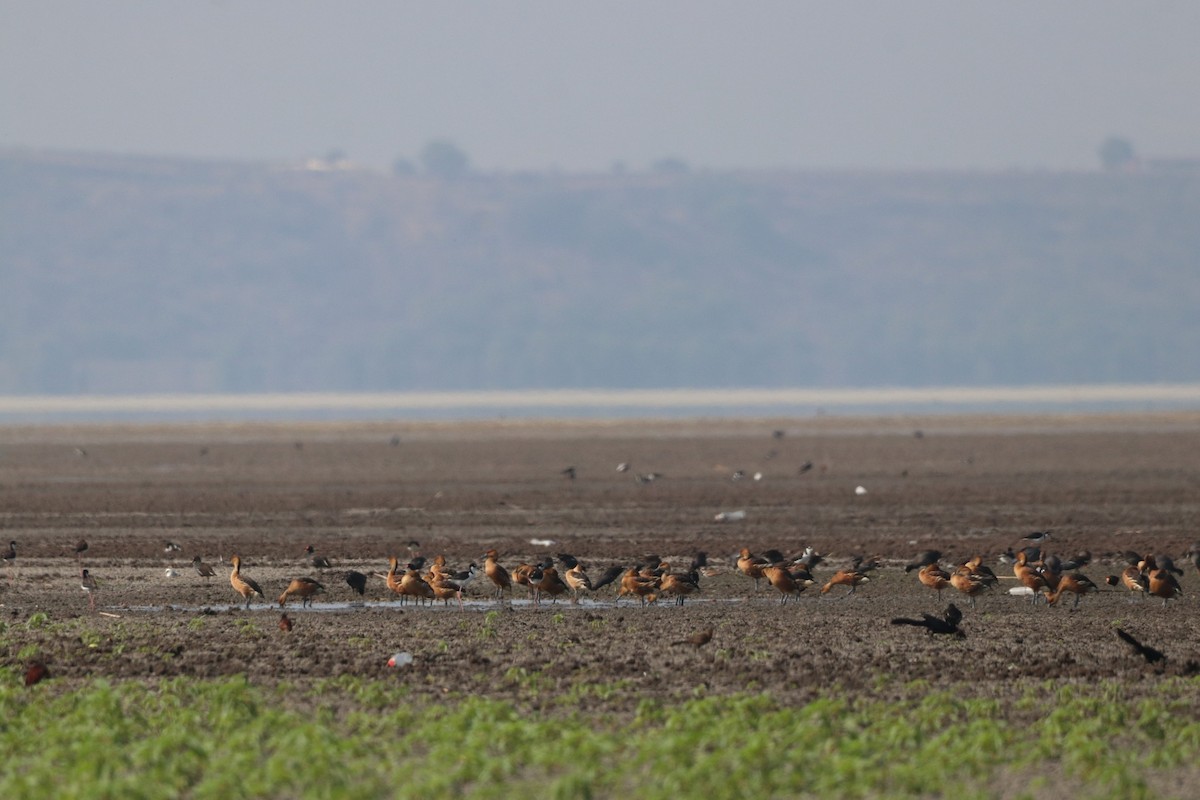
{"x": 669, "y": 398}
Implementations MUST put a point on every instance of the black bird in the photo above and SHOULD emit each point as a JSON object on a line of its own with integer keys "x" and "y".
{"x": 806, "y": 466}
{"x": 860, "y": 563}
{"x": 946, "y": 624}
{"x": 357, "y": 581}
{"x": 608, "y": 577}
{"x": 1079, "y": 561}
{"x": 924, "y": 559}
{"x": 1151, "y": 655}
{"x": 1167, "y": 563}
{"x": 569, "y": 472}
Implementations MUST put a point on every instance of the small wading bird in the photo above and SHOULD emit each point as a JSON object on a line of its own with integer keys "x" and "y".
{"x": 1037, "y": 537}
{"x": 80, "y": 548}
{"x": 244, "y": 586}
{"x": 947, "y": 624}
{"x": 88, "y": 584}
{"x": 304, "y": 588}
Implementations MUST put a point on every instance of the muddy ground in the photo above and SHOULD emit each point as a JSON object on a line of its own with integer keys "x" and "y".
{"x": 361, "y": 492}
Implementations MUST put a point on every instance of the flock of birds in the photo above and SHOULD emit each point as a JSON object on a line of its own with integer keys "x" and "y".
{"x": 1042, "y": 576}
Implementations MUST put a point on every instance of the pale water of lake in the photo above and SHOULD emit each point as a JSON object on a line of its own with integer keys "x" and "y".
{"x": 598, "y": 403}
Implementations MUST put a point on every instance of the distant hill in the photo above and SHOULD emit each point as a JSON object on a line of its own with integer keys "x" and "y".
{"x": 121, "y": 274}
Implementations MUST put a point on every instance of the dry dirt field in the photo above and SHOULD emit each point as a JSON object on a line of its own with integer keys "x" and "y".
{"x": 361, "y": 492}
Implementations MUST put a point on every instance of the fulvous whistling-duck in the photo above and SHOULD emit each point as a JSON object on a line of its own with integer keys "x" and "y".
{"x": 304, "y": 588}
{"x": 934, "y": 577}
{"x": 497, "y": 574}
{"x": 521, "y": 575}
{"x": 1151, "y": 655}
{"x": 549, "y": 583}
{"x": 1074, "y": 582}
{"x": 1028, "y": 575}
{"x": 751, "y": 566}
{"x": 357, "y": 581}
{"x": 946, "y": 624}
{"x": 244, "y": 586}
{"x": 202, "y": 569}
{"x": 445, "y": 589}
{"x": 1163, "y": 584}
{"x": 785, "y": 582}
{"x": 679, "y": 585}
{"x": 697, "y": 639}
{"x": 845, "y": 577}
{"x": 980, "y": 571}
{"x": 577, "y": 580}
{"x": 966, "y": 582}
{"x": 285, "y": 622}
{"x": 413, "y": 585}
{"x": 320, "y": 562}
{"x": 390, "y": 579}
{"x": 1132, "y": 579}
{"x": 634, "y": 585}
{"x": 88, "y": 584}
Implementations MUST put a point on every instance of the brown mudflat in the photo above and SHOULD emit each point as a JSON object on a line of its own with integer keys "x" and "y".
{"x": 359, "y": 493}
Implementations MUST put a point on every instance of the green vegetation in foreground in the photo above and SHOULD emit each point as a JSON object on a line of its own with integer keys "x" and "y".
{"x": 360, "y": 738}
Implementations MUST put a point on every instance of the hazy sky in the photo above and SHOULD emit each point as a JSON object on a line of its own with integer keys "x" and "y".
{"x": 582, "y": 86}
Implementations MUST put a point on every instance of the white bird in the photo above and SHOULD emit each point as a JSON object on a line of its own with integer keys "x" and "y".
{"x": 860, "y": 490}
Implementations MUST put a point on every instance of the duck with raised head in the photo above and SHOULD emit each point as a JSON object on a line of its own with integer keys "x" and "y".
{"x": 497, "y": 574}
{"x": 246, "y": 587}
